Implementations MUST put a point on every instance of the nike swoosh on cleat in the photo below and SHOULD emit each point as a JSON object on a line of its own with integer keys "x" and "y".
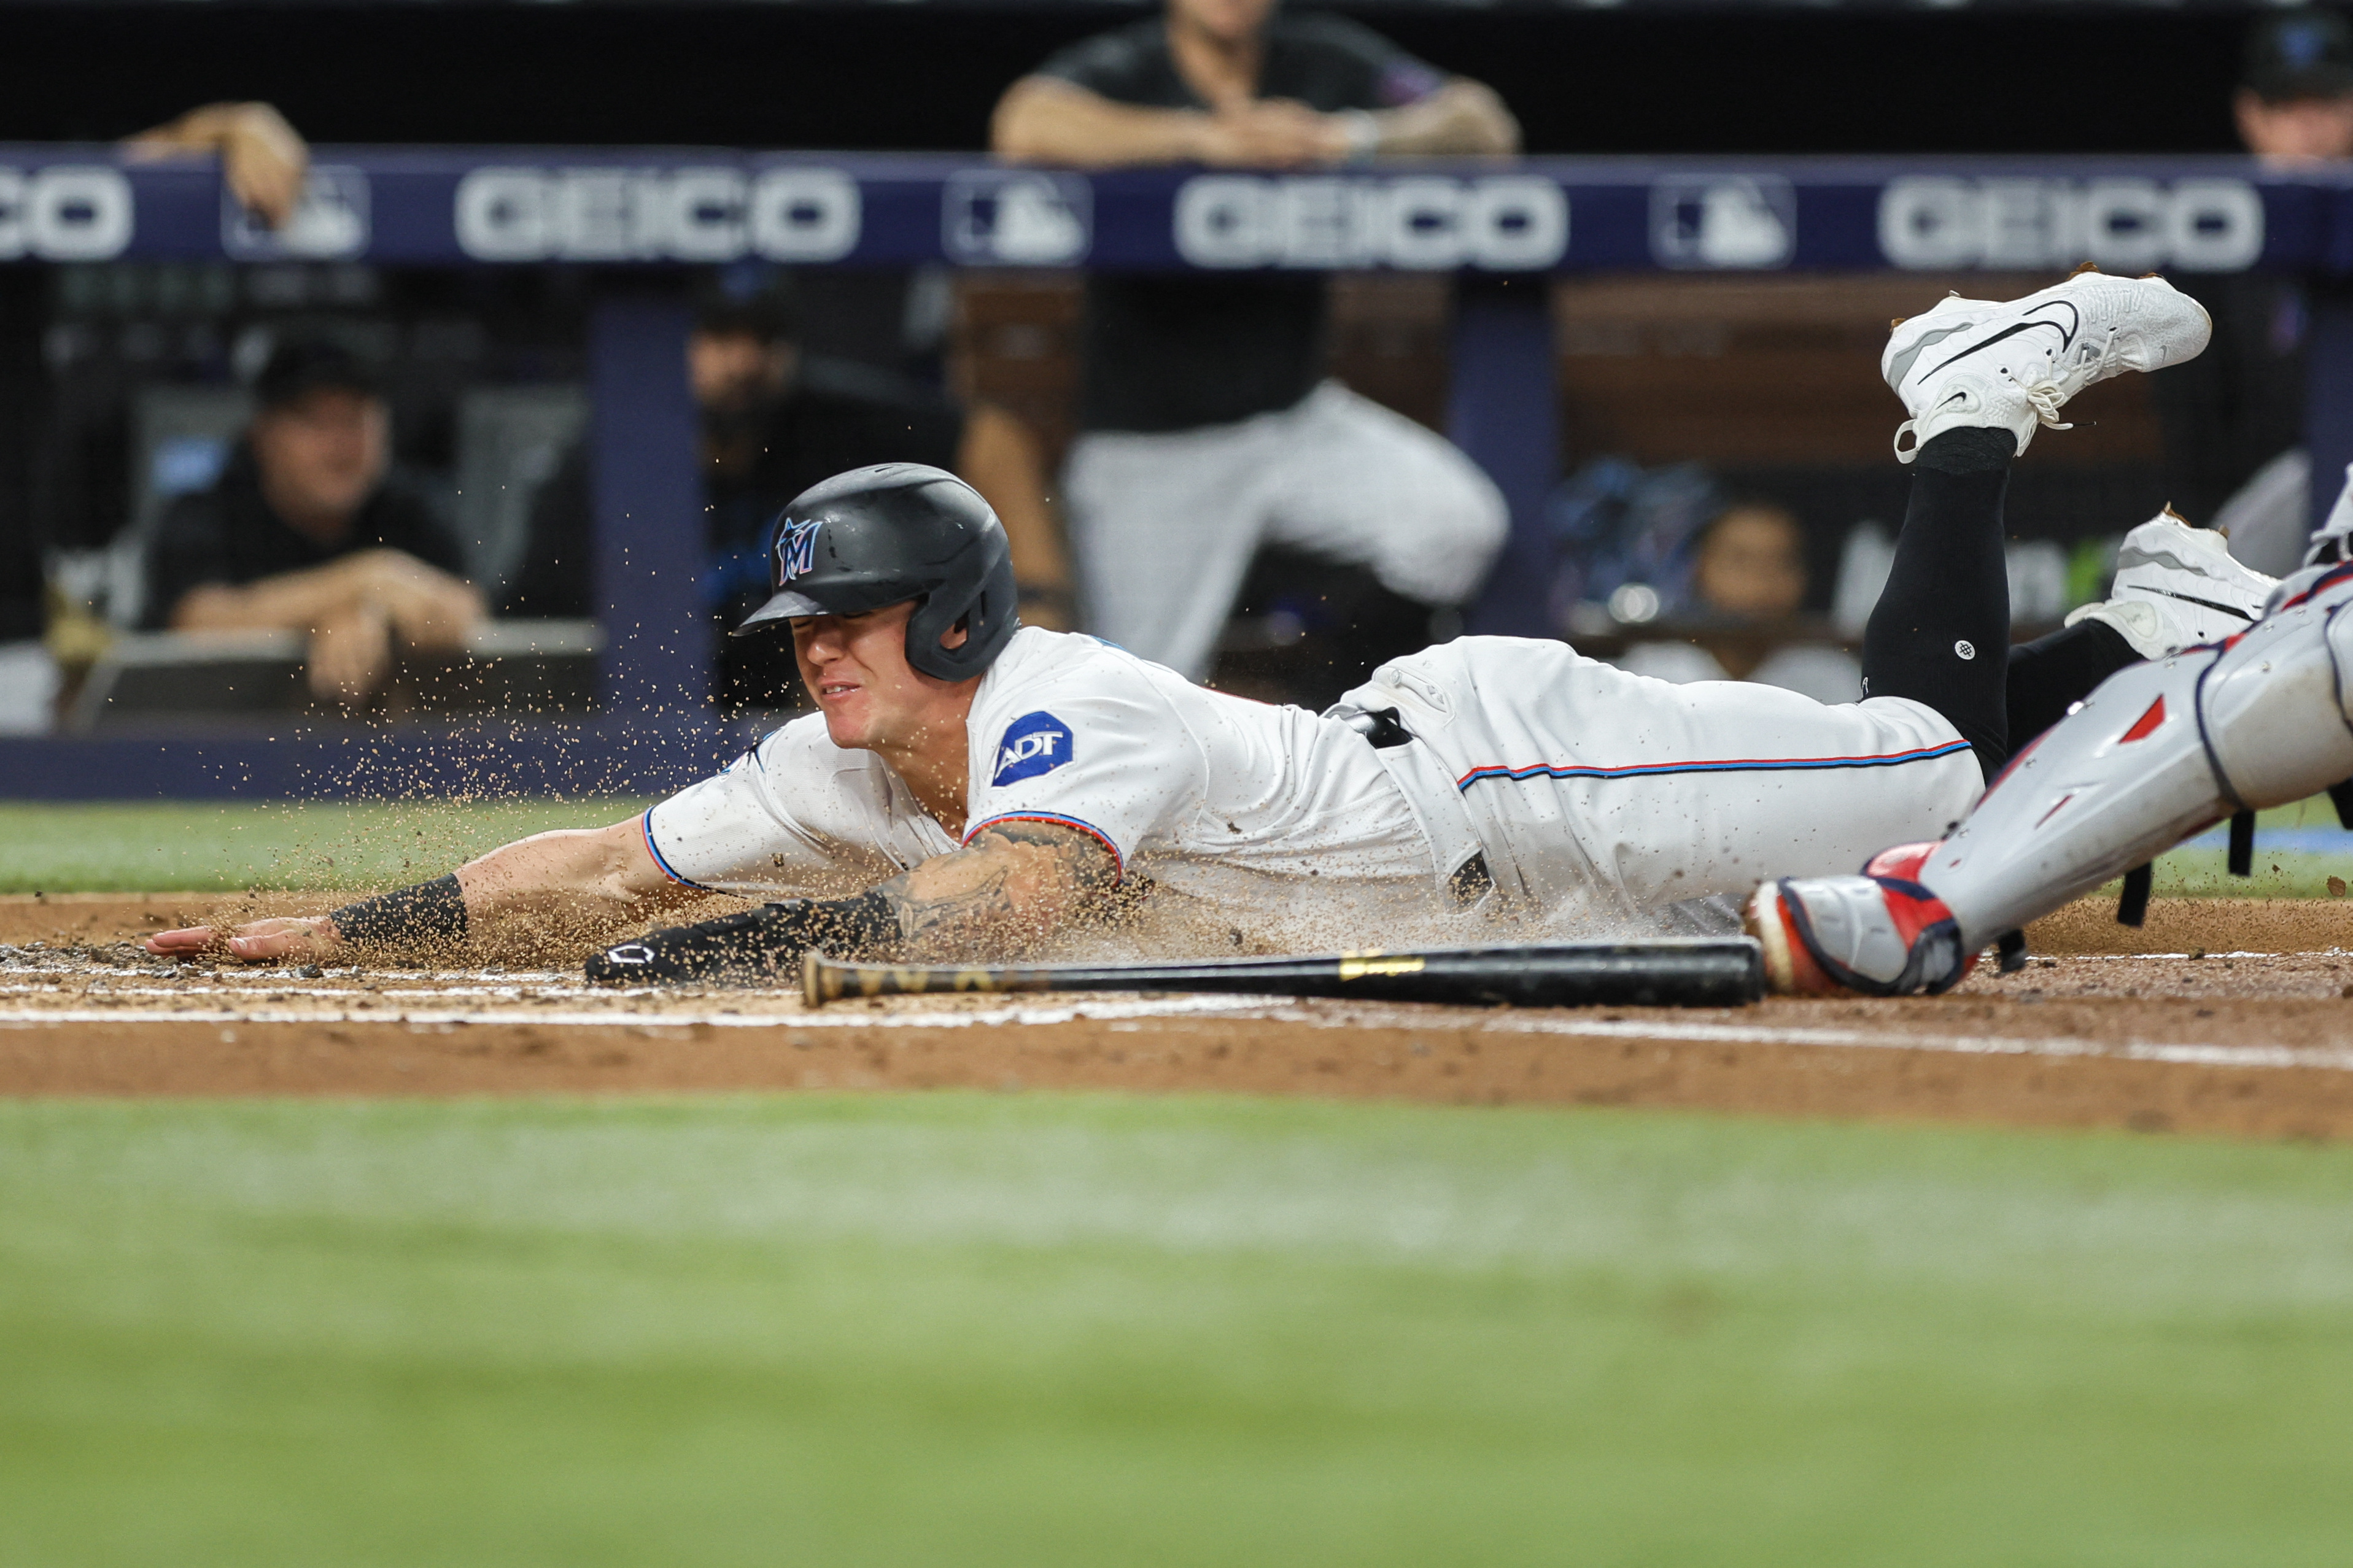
{"x": 2194, "y": 599}
{"x": 2066, "y": 335}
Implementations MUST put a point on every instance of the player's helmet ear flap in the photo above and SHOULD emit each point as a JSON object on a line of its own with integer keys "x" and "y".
{"x": 885, "y": 534}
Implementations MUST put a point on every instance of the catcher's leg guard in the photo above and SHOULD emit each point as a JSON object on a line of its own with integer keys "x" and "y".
{"x": 2158, "y": 751}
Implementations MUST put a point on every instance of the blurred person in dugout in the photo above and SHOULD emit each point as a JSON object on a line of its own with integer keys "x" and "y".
{"x": 264, "y": 163}
{"x": 2233, "y": 417}
{"x": 1206, "y": 429}
{"x": 775, "y": 421}
{"x": 1744, "y": 572}
{"x": 309, "y": 530}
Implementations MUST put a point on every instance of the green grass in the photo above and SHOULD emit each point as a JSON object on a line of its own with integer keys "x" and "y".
{"x": 209, "y": 847}
{"x": 973, "y": 1330}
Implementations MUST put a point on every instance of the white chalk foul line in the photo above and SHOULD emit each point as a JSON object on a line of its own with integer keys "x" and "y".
{"x": 1275, "y": 1009}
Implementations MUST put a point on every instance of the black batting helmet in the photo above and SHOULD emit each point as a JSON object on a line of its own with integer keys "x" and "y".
{"x": 885, "y": 534}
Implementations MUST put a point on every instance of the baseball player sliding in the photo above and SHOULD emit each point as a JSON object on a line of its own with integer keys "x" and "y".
{"x": 969, "y": 783}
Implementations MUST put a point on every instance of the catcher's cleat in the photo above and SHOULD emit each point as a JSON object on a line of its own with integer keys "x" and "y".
{"x": 1881, "y": 936}
{"x": 2176, "y": 587}
{"x": 1904, "y": 862}
{"x": 2012, "y": 367}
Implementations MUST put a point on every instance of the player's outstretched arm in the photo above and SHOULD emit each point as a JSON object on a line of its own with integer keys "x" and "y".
{"x": 1012, "y": 886}
{"x": 581, "y": 879}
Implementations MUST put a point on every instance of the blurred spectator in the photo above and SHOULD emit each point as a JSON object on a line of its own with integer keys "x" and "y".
{"x": 1751, "y": 563}
{"x": 1205, "y": 432}
{"x": 1720, "y": 577}
{"x": 263, "y": 159}
{"x": 2233, "y": 417}
{"x": 1748, "y": 570}
{"x": 308, "y": 531}
{"x": 775, "y": 422}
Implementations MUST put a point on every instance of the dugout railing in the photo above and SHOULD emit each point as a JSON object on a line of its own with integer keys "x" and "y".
{"x": 1501, "y": 229}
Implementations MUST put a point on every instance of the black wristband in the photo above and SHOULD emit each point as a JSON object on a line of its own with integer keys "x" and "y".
{"x": 432, "y": 912}
{"x": 842, "y": 927}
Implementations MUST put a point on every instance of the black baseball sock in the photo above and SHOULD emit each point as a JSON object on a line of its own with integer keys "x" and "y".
{"x": 2050, "y": 674}
{"x": 1940, "y": 632}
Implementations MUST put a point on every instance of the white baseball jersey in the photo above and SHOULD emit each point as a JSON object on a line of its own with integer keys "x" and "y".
{"x": 1214, "y": 795}
{"x": 1593, "y": 794}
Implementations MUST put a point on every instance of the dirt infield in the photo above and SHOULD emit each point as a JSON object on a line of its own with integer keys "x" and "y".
{"x": 2230, "y": 1016}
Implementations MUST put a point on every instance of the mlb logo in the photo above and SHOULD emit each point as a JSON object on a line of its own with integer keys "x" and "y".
{"x": 795, "y": 549}
{"x": 330, "y": 223}
{"x": 1732, "y": 221}
{"x": 1016, "y": 218}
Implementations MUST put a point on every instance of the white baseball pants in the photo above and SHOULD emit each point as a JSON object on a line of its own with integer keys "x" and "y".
{"x": 1164, "y": 525}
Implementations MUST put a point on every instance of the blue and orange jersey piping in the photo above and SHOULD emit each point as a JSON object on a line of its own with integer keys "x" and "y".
{"x": 1724, "y": 765}
{"x": 1118, "y": 861}
{"x": 646, "y": 829}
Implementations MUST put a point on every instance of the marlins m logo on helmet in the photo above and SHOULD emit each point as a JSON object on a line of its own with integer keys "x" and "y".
{"x": 795, "y": 549}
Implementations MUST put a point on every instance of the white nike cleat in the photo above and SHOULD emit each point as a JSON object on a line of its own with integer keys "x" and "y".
{"x": 2176, "y": 587}
{"x": 2014, "y": 365}
{"x": 2333, "y": 542}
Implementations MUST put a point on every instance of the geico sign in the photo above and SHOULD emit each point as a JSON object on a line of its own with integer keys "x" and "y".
{"x": 652, "y": 215}
{"x": 1506, "y": 223}
{"x": 2124, "y": 225}
{"x": 64, "y": 213}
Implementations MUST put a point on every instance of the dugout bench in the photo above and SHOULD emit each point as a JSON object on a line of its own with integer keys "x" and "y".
{"x": 1499, "y": 228}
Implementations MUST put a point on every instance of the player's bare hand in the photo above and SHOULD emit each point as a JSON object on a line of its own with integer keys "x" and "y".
{"x": 304, "y": 939}
{"x": 1272, "y": 133}
{"x": 429, "y": 607}
{"x": 264, "y": 160}
{"x": 351, "y": 654}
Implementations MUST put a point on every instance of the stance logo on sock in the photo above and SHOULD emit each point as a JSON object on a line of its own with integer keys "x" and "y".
{"x": 1964, "y": 648}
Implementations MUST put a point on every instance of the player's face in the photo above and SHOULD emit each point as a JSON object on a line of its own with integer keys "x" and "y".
{"x": 872, "y": 699}
{"x": 2300, "y": 131}
{"x": 731, "y": 372}
{"x": 322, "y": 455}
{"x": 1753, "y": 565}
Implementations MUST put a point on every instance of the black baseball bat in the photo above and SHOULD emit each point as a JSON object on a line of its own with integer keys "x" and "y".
{"x": 1671, "y": 973}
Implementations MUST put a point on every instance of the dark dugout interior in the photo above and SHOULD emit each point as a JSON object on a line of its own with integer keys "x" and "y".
{"x": 879, "y": 76}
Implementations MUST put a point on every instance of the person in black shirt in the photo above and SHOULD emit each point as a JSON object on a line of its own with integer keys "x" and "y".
{"x": 305, "y": 531}
{"x": 2234, "y": 418}
{"x": 775, "y": 422}
{"x": 1208, "y": 433}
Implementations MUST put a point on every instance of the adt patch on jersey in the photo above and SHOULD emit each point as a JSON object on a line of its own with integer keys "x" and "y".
{"x": 1034, "y": 743}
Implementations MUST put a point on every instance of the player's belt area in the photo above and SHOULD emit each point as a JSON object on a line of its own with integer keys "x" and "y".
{"x": 1470, "y": 880}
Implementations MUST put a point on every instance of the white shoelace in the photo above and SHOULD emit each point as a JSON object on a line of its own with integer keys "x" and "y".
{"x": 2044, "y": 397}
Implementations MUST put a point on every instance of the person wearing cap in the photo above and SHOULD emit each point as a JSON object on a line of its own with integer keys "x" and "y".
{"x": 307, "y": 529}
{"x": 2233, "y": 420}
{"x": 776, "y": 419}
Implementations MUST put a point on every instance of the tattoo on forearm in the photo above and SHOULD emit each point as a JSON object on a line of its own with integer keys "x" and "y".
{"x": 919, "y": 914}
{"x": 999, "y": 885}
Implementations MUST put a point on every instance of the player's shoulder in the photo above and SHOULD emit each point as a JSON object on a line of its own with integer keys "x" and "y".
{"x": 1035, "y": 655}
{"x": 1067, "y": 681}
{"x": 1113, "y": 61}
{"x": 1323, "y": 29}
